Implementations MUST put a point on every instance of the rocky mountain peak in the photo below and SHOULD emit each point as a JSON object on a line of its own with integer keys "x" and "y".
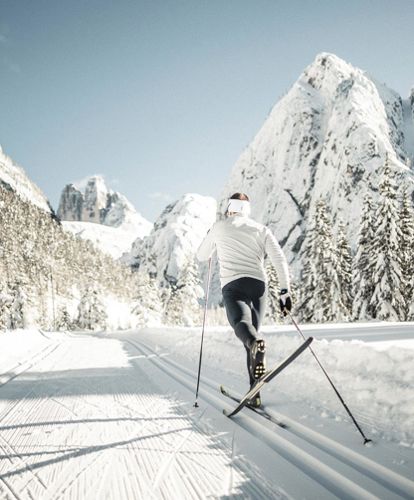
{"x": 327, "y": 137}
{"x": 92, "y": 201}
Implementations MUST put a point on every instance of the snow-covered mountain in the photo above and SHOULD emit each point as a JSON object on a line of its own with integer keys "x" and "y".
{"x": 14, "y": 178}
{"x": 175, "y": 238}
{"x": 327, "y": 137}
{"x": 107, "y": 218}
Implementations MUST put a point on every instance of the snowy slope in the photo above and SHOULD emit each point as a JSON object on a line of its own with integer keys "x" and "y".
{"x": 111, "y": 416}
{"x": 13, "y": 177}
{"x": 175, "y": 238}
{"x": 327, "y": 137}
{"x": 112, "y": 240}
{"x": 105, "y": 217}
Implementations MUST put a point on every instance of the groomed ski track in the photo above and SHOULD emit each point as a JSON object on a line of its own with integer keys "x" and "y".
{"x": 111, "y": 416}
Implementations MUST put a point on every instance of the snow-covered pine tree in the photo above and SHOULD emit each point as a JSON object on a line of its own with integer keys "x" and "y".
{"x": 5, "y": 303}
{"x": 344, "y": 258}
{"x": 364, "y": 264}
{"x": 273, "y": 293}
{"x": 406, "y": 246}
{"x": 17, "y": 311}
{"x": 98, "y": 312}
{"x": 183, "y": 307}
{"x": 147, "y": 301}
{"x": 91, "y": 311}
{"x": 63, "y": 321}
{"x": 321, "y": 290}
{"x": 387, "y": 300}
{"x": 309, "y": 277}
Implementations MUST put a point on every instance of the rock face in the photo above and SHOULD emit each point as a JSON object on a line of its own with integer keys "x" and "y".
{"x": 97, "y": 204}
{"x": 13, "y": 178}
{"x": 79, "y": 207}
{"x": 175, "y": 238}
{"x": 327, "y": 137}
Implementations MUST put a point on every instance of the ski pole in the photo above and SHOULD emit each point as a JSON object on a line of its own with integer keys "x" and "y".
{"x": 202, "y": 332}
{"x": 366, "y": 440}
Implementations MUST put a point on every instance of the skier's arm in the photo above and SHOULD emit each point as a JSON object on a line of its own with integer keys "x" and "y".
{"x": 206, "y": 248}
{"x": 278, "y": 259}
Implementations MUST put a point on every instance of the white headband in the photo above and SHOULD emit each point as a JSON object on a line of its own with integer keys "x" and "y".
{"x": 239, "y": 206}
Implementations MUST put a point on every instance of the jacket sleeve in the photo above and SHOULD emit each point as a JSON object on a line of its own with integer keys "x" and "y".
{"x": 278, "y": 259}
{"x": 206, "y": 248}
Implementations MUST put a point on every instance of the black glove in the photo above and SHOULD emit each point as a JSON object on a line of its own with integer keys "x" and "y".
{"x": 285, "y": 301}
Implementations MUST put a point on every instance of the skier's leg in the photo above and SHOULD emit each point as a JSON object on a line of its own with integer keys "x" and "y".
{"x": 258, "y": 306}
{"x": 239, "y": 315}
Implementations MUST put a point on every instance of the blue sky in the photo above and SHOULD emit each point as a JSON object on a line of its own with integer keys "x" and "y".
{"x": 161, "y": 97}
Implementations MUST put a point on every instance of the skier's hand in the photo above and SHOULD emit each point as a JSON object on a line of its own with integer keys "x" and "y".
{"x": 285, "y": 301}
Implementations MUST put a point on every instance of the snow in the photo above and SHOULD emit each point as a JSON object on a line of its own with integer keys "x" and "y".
{"x": 110, "y": 415}
{"x": 327, "y": 137}
{"x": 175, "y": 238}
{"x": 114, "y": 241}
{"x": 14, "y": 176}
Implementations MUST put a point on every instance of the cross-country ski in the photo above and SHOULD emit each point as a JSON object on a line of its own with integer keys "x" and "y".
{"x": 267, "y": 378}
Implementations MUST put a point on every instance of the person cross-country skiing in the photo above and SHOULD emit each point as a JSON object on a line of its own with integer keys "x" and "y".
{"x": 241, "y": 245}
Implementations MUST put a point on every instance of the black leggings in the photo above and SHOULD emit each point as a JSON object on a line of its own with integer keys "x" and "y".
{"x": 245, "y": 302}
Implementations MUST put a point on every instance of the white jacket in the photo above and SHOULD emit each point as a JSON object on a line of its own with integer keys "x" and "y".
{"x": 241, "y": 245}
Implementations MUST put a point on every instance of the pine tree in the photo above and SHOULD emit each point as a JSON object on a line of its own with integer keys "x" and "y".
{"x": 147, "y": 301}
{"x": 17, "y": 311}
{"x": 183, "y": 307}
{"x": 91, "y": 311}
{"x": 273, "y": 293}
{"x": 406, "y": 246}
{"x": 344, "y": 258}
{"x": 321, "y": 297}
{"x": 364, "y": 263}
{"x": 5, "y": 303}
{"x": 64, "y": 321}
{"x": 387, "y": 300}
{"x": 98, "y": 313}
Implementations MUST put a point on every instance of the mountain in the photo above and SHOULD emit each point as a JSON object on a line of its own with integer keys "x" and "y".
{"x": 14, "y": 179}
{"x": 48, "y": 278}
{"x": 327, "y": 137}
{"x": 107, "y": 218}
{"x": 174, "y": 239}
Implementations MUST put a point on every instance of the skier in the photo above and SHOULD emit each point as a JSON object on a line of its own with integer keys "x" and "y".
{"x": 241, "y": 245}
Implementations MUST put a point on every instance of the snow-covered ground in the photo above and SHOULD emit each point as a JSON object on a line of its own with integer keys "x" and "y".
{"x": 110, "y": 415}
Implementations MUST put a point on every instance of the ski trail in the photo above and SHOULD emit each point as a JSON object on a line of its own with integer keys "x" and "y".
{"x": 395, "y": 483}
{"x": 86, "y": 419}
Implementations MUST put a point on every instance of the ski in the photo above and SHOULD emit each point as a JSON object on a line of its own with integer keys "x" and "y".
{"x": 260, "y": 411}
{"x": 267, "y": 377}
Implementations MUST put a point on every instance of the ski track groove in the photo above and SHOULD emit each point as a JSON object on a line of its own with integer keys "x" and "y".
{"x": 392, "y": 481}
{"x": 250, "y": 490}
{"x": 40, "y": 403}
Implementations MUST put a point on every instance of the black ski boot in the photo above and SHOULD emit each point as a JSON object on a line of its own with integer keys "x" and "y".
{"x": 257, "y": 358}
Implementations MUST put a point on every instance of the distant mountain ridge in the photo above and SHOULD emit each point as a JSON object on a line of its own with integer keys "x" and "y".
{"x": 84, "y": 208}
{"x": 327, "y": 137}
{"x": 14, "y": 178}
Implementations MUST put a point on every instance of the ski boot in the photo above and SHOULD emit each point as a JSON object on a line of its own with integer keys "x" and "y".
{"x": 257, "y": 358}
